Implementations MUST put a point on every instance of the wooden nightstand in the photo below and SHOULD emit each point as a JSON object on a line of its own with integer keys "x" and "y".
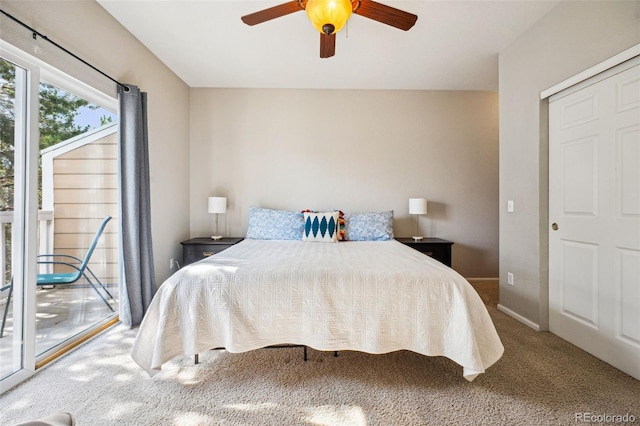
{"x": 198, "y": 248}
{"x": 437, "y": 248}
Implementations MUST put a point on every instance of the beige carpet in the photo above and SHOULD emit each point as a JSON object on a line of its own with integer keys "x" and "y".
{"x": 540, "y": 380}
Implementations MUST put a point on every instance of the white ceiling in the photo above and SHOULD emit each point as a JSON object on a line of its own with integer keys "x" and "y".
{"x": 453, "y": 46}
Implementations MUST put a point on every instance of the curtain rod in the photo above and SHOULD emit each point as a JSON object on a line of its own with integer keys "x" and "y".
{"x": 35, "y": 35}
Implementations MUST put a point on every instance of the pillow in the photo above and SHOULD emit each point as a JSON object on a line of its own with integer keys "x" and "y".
{"x": 340, "y": 222}
{"x": 369, "y": 226}
{"x": 269, "y": 224}
{"x": 322, "y": 227}
{"x": 341, "y": 226}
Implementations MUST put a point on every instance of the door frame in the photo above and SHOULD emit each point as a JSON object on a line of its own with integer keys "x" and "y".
{"x": 593, "y": 71}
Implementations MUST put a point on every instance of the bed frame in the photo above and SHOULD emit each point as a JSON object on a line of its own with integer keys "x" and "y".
{"x": 196, "y": 358}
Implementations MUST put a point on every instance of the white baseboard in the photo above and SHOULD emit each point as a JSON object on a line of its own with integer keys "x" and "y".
{"x": 483, "y": 280}
{"x": 519, "y": 317}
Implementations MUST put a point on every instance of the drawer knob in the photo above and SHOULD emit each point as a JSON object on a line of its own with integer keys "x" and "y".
{"x": 207, "y": 253}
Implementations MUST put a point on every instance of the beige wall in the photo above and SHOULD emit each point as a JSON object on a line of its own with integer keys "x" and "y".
{"x": 571, "y": 38}
{"x": 372, "y": 150}
{"x": 353, "y": 150}
{"x": 90, "y": 32}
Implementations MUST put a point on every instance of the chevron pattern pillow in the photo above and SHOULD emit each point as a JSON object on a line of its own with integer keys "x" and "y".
{"x": 322, "y": 227}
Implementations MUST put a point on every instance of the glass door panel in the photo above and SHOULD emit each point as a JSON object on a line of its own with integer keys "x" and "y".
{"x": 73, "y": 191}
{"x": 77, "y": 191}
{"x": 58, "y": 185}
{"x": 12, "y": 96}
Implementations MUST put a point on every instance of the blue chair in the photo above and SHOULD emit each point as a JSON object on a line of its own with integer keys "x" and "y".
{"x": 81, "y": 270}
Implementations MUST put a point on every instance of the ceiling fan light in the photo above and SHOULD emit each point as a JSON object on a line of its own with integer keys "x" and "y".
{"x": 323, "y": 13}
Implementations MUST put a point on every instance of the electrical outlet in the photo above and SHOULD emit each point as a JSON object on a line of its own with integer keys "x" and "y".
{"x": 510, "y": 206}
{"x": 172, "y": 262}
{"x": 510, "y": 278}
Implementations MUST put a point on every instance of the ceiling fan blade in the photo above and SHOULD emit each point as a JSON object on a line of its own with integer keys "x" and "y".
{"x": 386, "y": 14}
{"x": 327, "y": 45}
{"x": 271, "y": 13}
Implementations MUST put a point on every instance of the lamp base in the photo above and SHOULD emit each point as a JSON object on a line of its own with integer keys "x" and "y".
{"x": 417, "y": 238}
{"x": 216, "y": 237}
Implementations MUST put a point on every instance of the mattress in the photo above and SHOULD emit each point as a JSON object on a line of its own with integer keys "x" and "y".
{"x": 370, "y": 296}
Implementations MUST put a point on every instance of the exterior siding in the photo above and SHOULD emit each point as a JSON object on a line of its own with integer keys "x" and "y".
{"x": 85, "y": 191}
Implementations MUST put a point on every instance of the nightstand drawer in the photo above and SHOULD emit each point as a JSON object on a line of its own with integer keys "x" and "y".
{"x": 199, "y": 248}
{"x": 437, "y": 248}
{"x": 194, "y": 253}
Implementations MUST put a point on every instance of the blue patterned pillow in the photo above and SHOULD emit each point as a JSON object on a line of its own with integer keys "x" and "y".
{"x": 268, "y": 224}
{"x": 369, "y": 226}
{"x": 321, "y": 227}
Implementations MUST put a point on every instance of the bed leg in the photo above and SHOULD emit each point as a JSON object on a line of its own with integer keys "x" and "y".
{"x": 195, "y": 359}
{"x": 335, "y": 353}
{"x": 305, "y": 353}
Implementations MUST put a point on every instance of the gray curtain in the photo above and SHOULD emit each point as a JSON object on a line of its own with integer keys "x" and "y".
{"x": 137, "y": 285}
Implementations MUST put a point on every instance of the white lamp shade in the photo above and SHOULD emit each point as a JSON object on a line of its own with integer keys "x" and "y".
{"x": 217, "y": 204}
{"x": 417, "y": 206}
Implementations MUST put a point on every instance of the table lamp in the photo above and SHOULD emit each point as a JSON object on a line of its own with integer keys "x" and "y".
{"x": 217, "y": 205}
{"x": 417, "y": 206}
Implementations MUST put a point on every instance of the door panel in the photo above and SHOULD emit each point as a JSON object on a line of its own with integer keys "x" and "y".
{"x": 39, "y": 320}
{"x": 579, "y": 177}
{"x": 628, "y": 166}
{"x": 580, "y": 281}
{"x": 628, "y": 277}
{"x": 19, "y": 170}
{"x": 594, "y": 203}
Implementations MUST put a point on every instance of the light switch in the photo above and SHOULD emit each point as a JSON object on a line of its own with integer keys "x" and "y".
{"x": 510, "y": 206}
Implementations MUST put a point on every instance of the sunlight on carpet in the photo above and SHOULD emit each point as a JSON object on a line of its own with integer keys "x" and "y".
{"x": 330, "y": 415}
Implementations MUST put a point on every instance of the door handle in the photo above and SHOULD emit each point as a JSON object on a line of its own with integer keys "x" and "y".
{"x": 554, "y": 226}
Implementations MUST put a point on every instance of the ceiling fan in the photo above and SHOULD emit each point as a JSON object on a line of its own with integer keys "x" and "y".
{"x": 329, "y": 16}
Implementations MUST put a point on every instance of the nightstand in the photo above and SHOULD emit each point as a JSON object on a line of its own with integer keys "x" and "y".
{"x": 437, "y": 248}
{"x": 198, "y": 248}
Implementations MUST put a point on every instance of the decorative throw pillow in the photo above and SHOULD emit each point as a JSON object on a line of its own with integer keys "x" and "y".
{"x": 269, "y": 224}
{"x": 341, "y": 226}
{"x": 321, "y": 227}
{"x": 369, "y": 226}
{"x": 340, "y": 222}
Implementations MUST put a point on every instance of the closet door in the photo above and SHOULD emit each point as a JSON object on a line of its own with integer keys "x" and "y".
{"x": 594, "y": 212}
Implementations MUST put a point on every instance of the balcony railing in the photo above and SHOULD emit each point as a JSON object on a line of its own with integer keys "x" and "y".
{"x": 45, "y": 238}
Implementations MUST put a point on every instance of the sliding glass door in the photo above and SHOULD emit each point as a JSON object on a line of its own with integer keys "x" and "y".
{"x": 58, "y": 177}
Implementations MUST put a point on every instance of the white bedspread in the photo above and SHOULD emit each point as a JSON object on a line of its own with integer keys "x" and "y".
{"x": 373, "y": 297}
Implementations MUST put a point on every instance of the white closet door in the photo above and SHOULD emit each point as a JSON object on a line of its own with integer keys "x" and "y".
{"x": 594, "y": 212}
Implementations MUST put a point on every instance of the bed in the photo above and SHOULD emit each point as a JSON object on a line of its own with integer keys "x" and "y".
{"x": 370, "y": 296}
